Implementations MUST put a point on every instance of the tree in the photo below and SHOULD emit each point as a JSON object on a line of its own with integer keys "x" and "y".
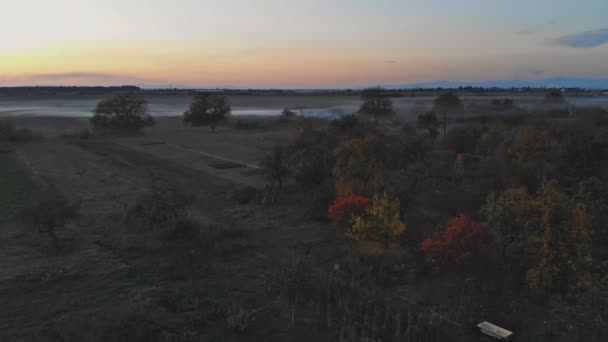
{"x": 344, "y": 211}
{"x": 376, "y": 102}
{"x": 381, "y": 222}
{"x": 446, "y": 103}
{"x": 463, "y": 242}
{"x": 49, "y": 215}
{"x": 564, "y": 259}
{"x": 514, "y": 215}
{"x": 531, "y": 144}
{"x": 430, "y": 123}
{"x": 275, "y": 166}
{"x": 207, "y": 110}
{"x": 122, "y": 112}
{"x": 358, "y": 166}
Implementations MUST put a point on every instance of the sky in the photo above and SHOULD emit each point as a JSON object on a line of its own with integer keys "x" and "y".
{"x": 298, "y": 43}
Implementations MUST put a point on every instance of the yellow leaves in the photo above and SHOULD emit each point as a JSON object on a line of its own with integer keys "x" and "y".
{"x": 382, "y": 222}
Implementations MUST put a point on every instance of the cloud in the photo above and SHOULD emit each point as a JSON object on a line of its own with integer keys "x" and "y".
{"x": 79, "y": 76}
{"x": 391, "y": 62}
{"x": 587, "y": 39}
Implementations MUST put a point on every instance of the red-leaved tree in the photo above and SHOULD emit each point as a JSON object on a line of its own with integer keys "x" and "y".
{"x": 344, "y": 210}
{"x": 463, "y": 243}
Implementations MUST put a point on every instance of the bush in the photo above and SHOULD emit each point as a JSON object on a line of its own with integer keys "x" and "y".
{"x": 345, "y": 124}
{"x": 50, "y": 215}
{"x": 275, "y": 166}
{"x": 463, "y": 139}
{"x": 160, "y": 208}
{"x": 344, "y": 210}
{"x": 381, "y": 222}
{"x": 7, "y": 131}
{"x": 312, "y": 159}
{"x": 122, "y": 112}
{"x": 462, "y": 243}
{"x": 429, "y": 122}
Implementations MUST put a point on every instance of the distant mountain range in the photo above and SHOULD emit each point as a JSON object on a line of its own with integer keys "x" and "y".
{"x": 558, "y": 82}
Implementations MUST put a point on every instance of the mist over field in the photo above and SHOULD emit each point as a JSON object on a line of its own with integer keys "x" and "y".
{"x": 290, "y": 170}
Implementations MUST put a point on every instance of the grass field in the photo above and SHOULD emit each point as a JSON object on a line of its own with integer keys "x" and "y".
{"x": 17, "y": 187}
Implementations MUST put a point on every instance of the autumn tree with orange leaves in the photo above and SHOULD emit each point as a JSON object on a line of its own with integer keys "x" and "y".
{"x": 463, "y": 243}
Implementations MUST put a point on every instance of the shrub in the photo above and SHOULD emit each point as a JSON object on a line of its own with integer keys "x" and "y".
{"x": 345, "y": 124}
{"x": 462, "y": 243}
{"x": 275, "y": 166}
{"x": 358, "y": 166}
{"x": 463, "y": 139}
{"x": 122, "y": 112}
{"x": 429, "y": 122}
{"x": 344, "y": 210}
{"x": 207, "y": 110}
{"x": 381, "y": 222}
{"x": 7, "y": 130}
{"x": 49, "y": 215}
{"x": 162, "y": 207}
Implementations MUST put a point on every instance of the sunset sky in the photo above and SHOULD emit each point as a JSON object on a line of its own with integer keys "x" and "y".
{"x": 298, "y": 43}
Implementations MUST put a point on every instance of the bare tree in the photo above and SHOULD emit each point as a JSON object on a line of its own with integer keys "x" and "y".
{"x": 446, "y": 103}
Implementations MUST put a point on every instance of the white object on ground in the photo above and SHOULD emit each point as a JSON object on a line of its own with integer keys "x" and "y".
{"x": 494, "y": 330}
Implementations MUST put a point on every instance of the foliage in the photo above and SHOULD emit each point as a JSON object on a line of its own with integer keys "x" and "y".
{"x": 275, "y": 165}
{"x": 207, "y": 110}
{"x": 19, "y": 190}
{"x": 429, "y": 122}
{"x": 345, "y": 124}
{"x": 463, "y": 139}
{"x": 162, "y": 207}
{"x": 312, "y": 158}
{"x": 381, "y": 222}
{"x": 531, "y": 144}
{"x": 344, "y": 211}
{"x": 564, "y": 259}
{"x": 122, "y": 112}
{"x": 447, "y": 102}
{"x": 376, "y": 102}
{"x": 307, "y": 125}
{"x": 358, "y": 166}
{"x": 7, "y": 130}
{"x": 514, "y": 215}
{"x": 49, "y": 215}
{"x": 490, "y": 143}
{"x": 463, "y": 243}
